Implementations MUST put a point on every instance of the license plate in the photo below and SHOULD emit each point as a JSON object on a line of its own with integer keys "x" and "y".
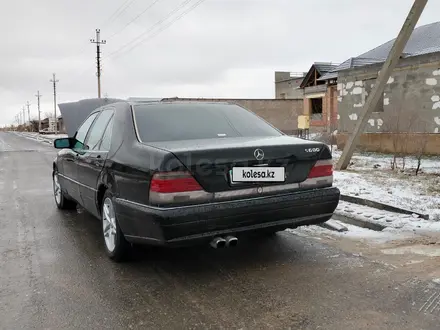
{"x": 257, "y": 174}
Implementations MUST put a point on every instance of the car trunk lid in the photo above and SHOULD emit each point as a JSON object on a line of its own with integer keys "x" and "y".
{"x": 211, "y": 161}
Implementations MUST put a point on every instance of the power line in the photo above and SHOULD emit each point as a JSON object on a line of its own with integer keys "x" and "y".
{"x": 115, "y": 15}
{"x": 183, "y": 4}
{"x": 198, "y": 3}
{"x": 119, "y": 11}
{"x": 135, "y": 18}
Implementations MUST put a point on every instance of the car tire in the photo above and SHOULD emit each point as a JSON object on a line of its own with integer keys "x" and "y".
{"x": 62, "y": 202}
{"x": 116, "y": 246}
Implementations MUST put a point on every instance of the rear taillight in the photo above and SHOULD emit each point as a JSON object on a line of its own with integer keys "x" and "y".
{"x": 176, "y": 188}
{"x": 173, "y": 182}
{"x": 322, "y": 168}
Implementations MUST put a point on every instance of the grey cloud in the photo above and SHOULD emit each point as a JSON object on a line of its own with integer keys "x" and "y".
{"x": 223, "y": 48}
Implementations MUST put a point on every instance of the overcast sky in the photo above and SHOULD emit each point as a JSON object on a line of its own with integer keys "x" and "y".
{"x": 222, "y": 48}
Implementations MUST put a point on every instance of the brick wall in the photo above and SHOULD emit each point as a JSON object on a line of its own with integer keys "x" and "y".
{"x": 283, "y": 114}
{"x": 329, "y": 110}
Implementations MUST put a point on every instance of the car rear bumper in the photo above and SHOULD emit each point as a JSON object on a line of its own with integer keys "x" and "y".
{"x": 182, "y": 225}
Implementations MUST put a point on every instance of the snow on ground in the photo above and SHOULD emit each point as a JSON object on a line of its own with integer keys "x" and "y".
{"x": 356, "y": 233}
{"x": 48, "y": 138}
{"x": 54, "y": 136}
{"x": 391, "y": 220}
{"x": 370, "y": 177}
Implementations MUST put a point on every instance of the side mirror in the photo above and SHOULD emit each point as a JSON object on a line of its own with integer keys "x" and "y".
{"x": 62, "y": 143}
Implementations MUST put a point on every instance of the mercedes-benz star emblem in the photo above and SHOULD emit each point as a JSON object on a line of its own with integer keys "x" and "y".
{"x": 258, "y": 154}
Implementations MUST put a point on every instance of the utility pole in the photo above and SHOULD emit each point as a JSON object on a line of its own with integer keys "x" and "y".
{"x": 39, "y": 112}
{"x": 54, "y": 81}
{"x": 29, "y": 114}
{"x": 24, "y": 116}
{"x": 98, "y": 43}
{"x": 384, "y": 74}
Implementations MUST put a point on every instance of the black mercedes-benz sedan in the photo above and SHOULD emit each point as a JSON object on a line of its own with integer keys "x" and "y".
{"x": 189, "y": 172}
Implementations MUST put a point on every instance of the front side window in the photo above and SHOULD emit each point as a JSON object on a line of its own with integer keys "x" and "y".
{"x": 97, "y": 131}
{"x": 81, "y": 134}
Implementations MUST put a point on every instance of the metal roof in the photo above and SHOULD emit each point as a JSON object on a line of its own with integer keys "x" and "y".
{"x": 353, "y": 62}
{"x": 324, "y": 67}
{"x": 321, "y": 67}
{"x": 424, "y": 40}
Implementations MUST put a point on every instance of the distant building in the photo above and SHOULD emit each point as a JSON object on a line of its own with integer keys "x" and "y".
{"x": 287, "y": 85}
{"x": 320, "y": 97}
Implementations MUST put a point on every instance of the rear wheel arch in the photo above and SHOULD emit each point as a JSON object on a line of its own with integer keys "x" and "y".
{"x": 100, "y": 196}
{"x": 106, "y": 184}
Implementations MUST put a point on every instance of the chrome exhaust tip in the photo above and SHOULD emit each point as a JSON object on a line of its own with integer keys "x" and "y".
{"x": 231, "y": 241}
{"x": 218, "y": 243}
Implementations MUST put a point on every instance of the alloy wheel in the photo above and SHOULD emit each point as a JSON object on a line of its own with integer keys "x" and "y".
{"x": 109, "y": 224}
{"x": 56, "y": 188}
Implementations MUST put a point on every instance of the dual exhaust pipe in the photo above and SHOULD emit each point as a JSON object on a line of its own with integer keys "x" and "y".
{"x": 220, "y": 242}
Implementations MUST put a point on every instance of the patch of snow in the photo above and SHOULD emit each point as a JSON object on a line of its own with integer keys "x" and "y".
{"x": 349, "y": 85}
{"x": 54, "y": 136}
{"x": 431, "y": 81}
{"x": 370, "y": 177}
{"x": 414, "y": 249}
{"x": 353, "y": 116}
{"x": 357, "y": 91}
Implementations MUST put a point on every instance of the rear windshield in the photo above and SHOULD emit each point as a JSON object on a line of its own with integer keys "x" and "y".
{"x": 174, "y": 122}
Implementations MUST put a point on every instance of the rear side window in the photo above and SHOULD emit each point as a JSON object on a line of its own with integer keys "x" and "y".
{"x": 180, "y": 121}
{"x": 107, "y": 137}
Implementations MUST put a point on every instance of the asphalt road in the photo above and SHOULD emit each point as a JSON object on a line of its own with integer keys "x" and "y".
{"x": 54, "y": 274}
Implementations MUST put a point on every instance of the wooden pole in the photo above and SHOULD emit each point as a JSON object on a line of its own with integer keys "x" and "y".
{"x": 390, "y": 64}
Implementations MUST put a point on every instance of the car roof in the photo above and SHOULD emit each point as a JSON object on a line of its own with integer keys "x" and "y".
{"x": 179, "y": 102}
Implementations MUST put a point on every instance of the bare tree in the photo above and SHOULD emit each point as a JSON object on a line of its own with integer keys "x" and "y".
{"x": 34, "y": 125}
{"x": 401, "y": 125}
{"x": 48, "y": 114}
{"x": 421, "y": 142}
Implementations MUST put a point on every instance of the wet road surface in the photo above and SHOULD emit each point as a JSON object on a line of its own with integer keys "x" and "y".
{"x": 55, "y": 275}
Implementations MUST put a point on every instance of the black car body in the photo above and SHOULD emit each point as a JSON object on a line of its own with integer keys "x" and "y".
{"x": 180, "y": 172}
